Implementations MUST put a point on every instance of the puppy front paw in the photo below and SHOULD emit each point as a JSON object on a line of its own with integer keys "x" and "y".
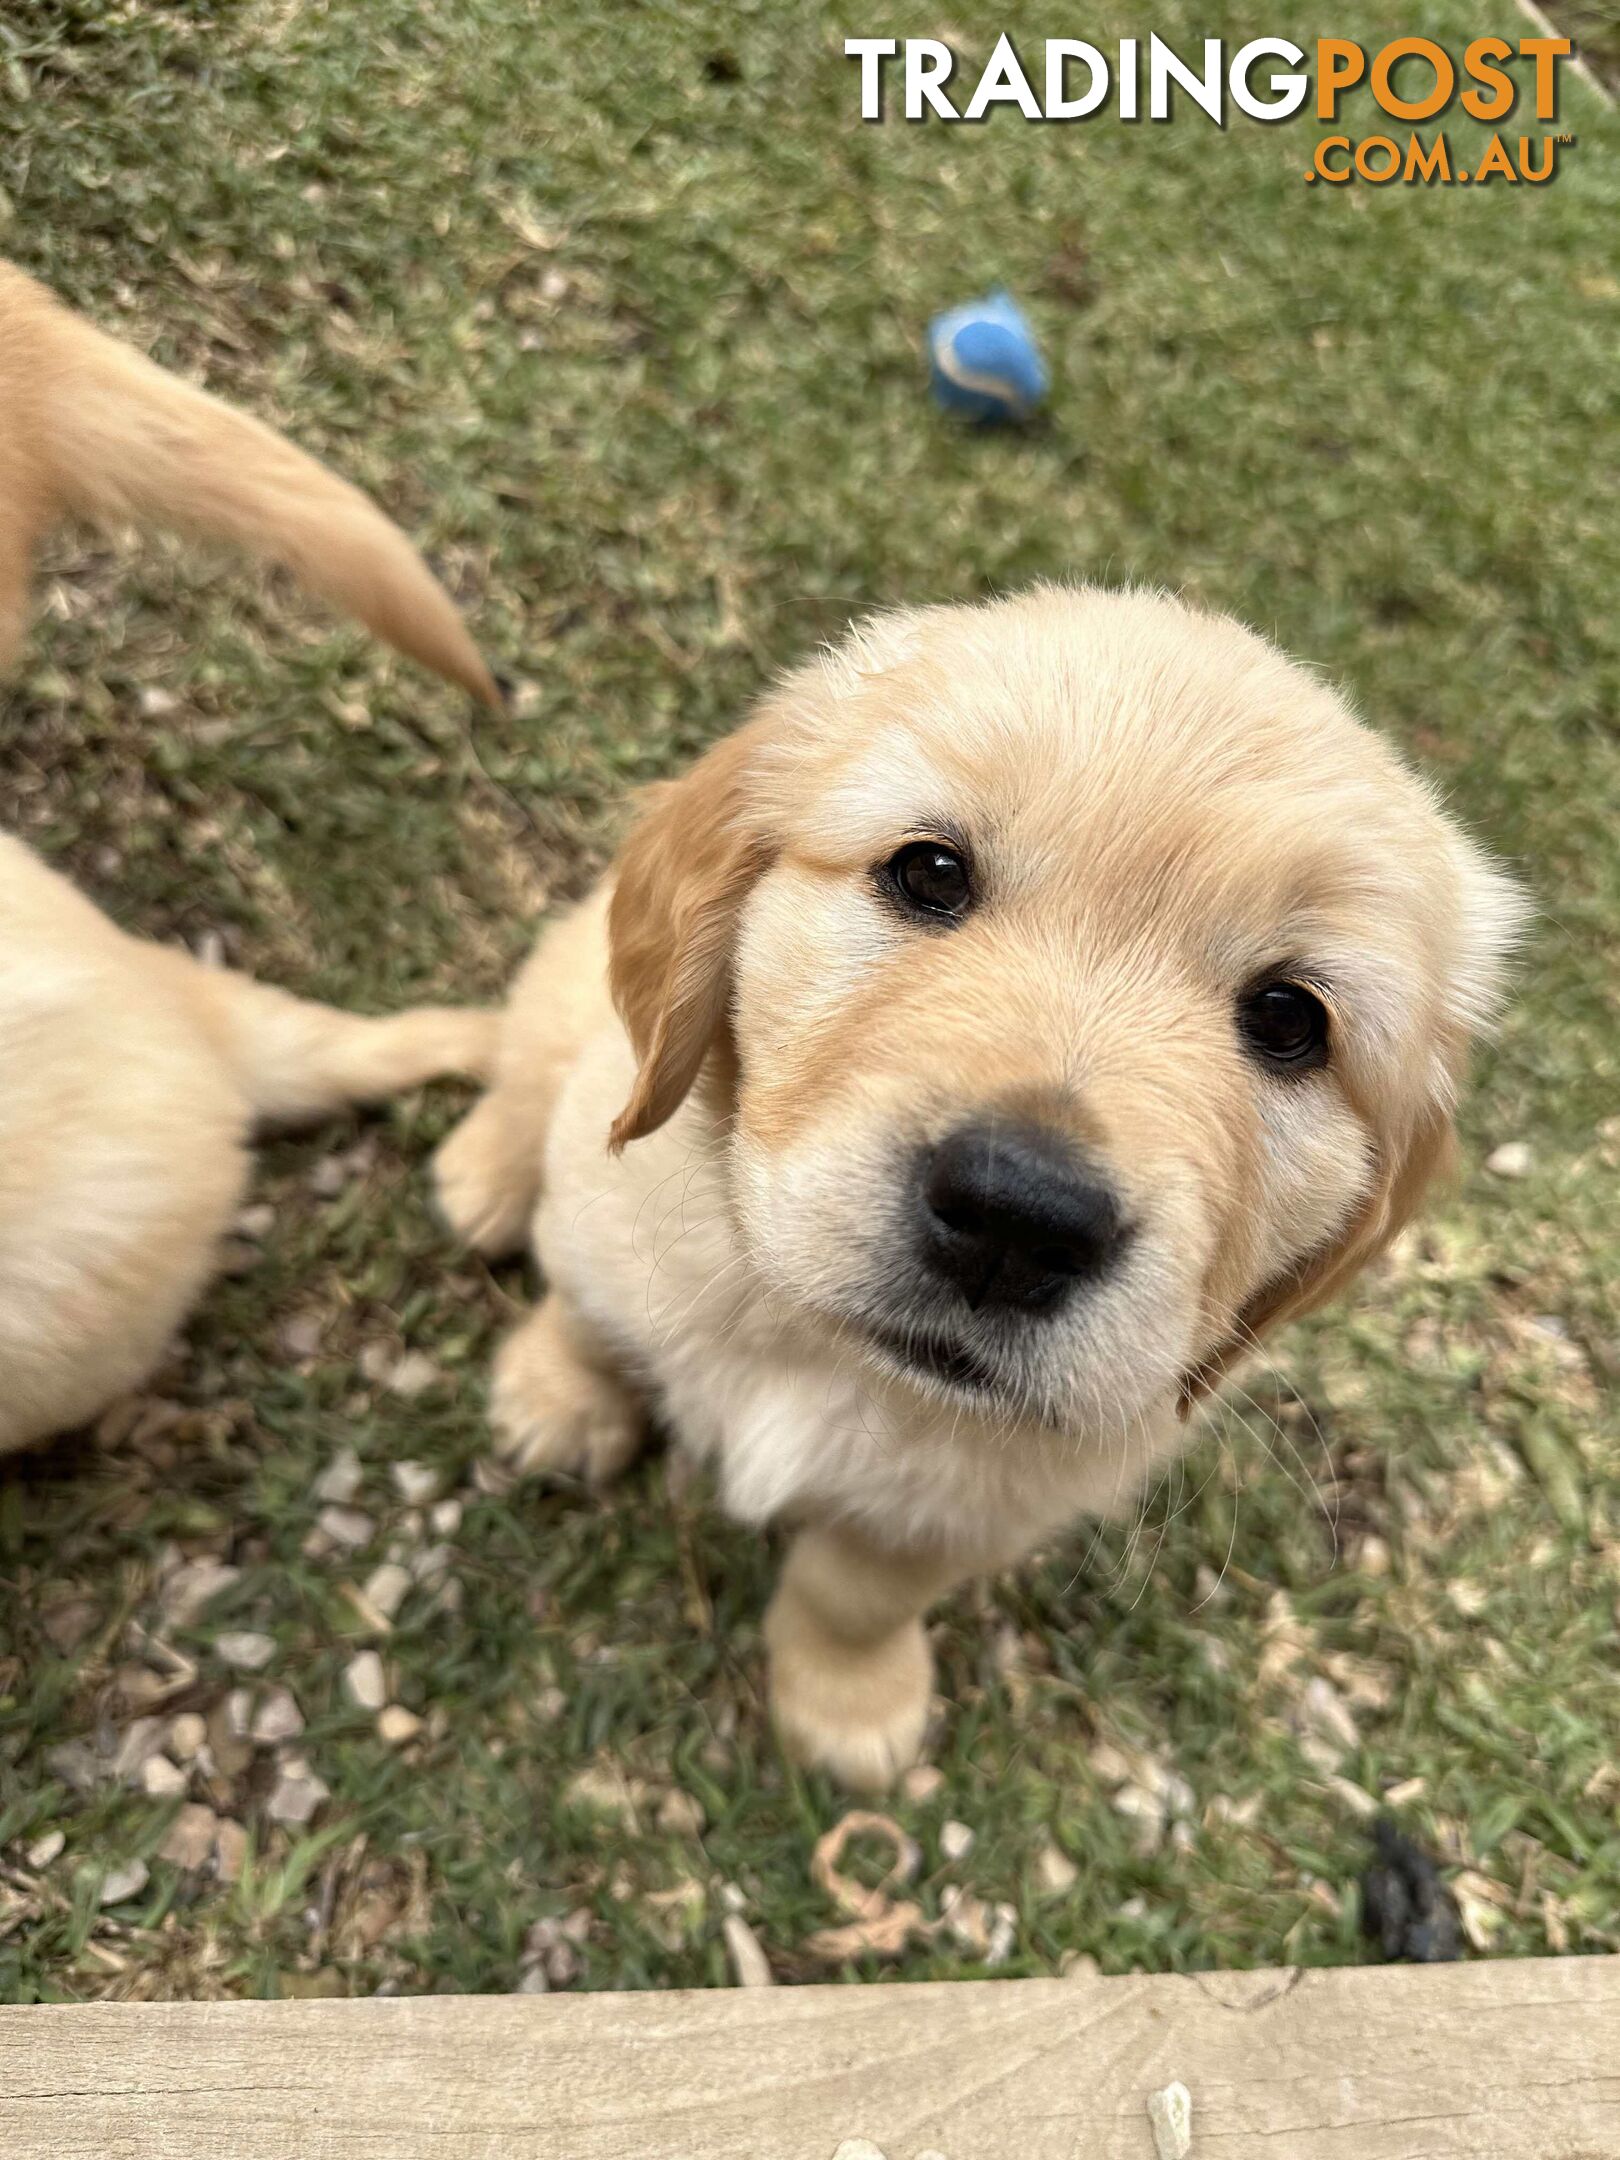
{"x": 552, "y": 1412}
{"x": 858, "y": 1713}
{"x": 485, "y": 1192}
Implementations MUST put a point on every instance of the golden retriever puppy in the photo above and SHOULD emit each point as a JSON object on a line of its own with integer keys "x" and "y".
{"x": 90, "y": 429}
{"x": 963, "y": 1064}
{"x": 130, "y": 1079}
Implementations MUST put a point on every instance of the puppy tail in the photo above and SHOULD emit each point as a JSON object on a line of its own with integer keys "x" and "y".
{"x": 299, "y": 1061}
{"x": 125, "y": 440}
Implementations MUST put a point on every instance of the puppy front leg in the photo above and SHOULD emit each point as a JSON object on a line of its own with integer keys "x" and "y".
{"x": 557, "y": 1404}
{"x": 850, "y": 1670}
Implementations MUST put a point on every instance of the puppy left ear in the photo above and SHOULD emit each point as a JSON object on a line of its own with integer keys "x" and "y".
{"x": 1387, "y": 1209}
{"x": 679, "y": 888}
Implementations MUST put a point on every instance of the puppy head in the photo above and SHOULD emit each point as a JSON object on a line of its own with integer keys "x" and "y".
{"x": 1092, "y": 993}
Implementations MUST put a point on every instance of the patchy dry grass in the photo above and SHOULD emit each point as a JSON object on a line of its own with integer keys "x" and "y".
{"x": 1595, "y": 27}
{"x": 623, "y": 320}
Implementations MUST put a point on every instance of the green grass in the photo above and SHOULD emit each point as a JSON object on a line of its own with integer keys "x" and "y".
{"x": 623, "y": 321}
{"x": 1595, "y": 27}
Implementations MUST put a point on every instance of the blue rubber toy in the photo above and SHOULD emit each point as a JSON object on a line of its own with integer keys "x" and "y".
{"x": 983, "y": 361}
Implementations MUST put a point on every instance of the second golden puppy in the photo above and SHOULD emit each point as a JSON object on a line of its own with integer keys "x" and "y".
{"x": 131, "y": 1078}
{"x": 1030, "y": 1006}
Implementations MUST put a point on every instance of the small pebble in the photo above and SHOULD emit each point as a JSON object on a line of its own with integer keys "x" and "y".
{"x": 301, "y": 1337}
{"x": 45, "y": 1849}
{"x": 956, "y": 1840}
{"x": 1147, "y": 1811}
{"x": 681, "y": 1815}
{"x": 329, "y": 1177}
{"x": 923, "y": 1782}
{"x": 162, "y": 1779}
{"x": 1170, "y": 2113}
{"x": 376, "y": 1362}
{"x": 413, "y": 1375}
{"x": 416, "y": 1483}
{"x": 77, "y": 1765}
{"x": 341, "y": 1479}
{"x": 446, "y": 1518}
{"x": 191, "y": 1836}
{"x": 230, "y": 1850}
{"x": 1513, "y": 1159}
{"x": 1110, "y": 1763}
{"x": 186, "y": 1735}
{"x": 432, "y": 1563}
{"x": 1003, "y": 1934}
{"x": 277, "y": 1718}
{"x": 246, "y": 1650}
{"x": 139, "y": 1686}
{"x": 256, "y": 1222}
{"x": 1372, "y": 1556}
{"x": 387, "y": 1588}
{"x": 141, "y": 1738}
{"x": 237, "y": 1713}
{"x": 1328, "y": 1714}
{"x": 1056, "y": 1872}
{"x": 123, "y": 1883}
{"x": 194, "y": 1586}
{"x": 396, "y": 1725}
{"x": 365, "y": 1682}
{"x": 1352, "y": 1796}
{"x": 748, "y": 1961}
{"x": 298, "y": 1793}
{"x": 1173, "y": 1789}
{"x": 348, "y": 1526}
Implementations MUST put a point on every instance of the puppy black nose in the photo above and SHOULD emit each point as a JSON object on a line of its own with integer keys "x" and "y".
{"x": 1013, "y": 1217}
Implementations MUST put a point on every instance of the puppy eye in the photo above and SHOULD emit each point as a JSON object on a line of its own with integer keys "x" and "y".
{"x": 929, "y": 878}
{"x": 1285, "y": 1025}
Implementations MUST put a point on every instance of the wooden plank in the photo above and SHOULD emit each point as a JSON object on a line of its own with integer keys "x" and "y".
{"x": 1511, "y": 2061}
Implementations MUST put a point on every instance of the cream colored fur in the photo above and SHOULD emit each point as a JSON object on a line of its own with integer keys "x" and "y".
{"x": 131, "y": 1077}
{"x": 1160, "y": 808}
{"x": 90, "y": 429}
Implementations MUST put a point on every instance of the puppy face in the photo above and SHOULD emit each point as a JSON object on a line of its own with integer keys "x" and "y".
{"x": 1094, "y": 990}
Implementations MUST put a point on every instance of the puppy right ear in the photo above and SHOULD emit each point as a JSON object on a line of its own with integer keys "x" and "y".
{"x": 679, "y": 889}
